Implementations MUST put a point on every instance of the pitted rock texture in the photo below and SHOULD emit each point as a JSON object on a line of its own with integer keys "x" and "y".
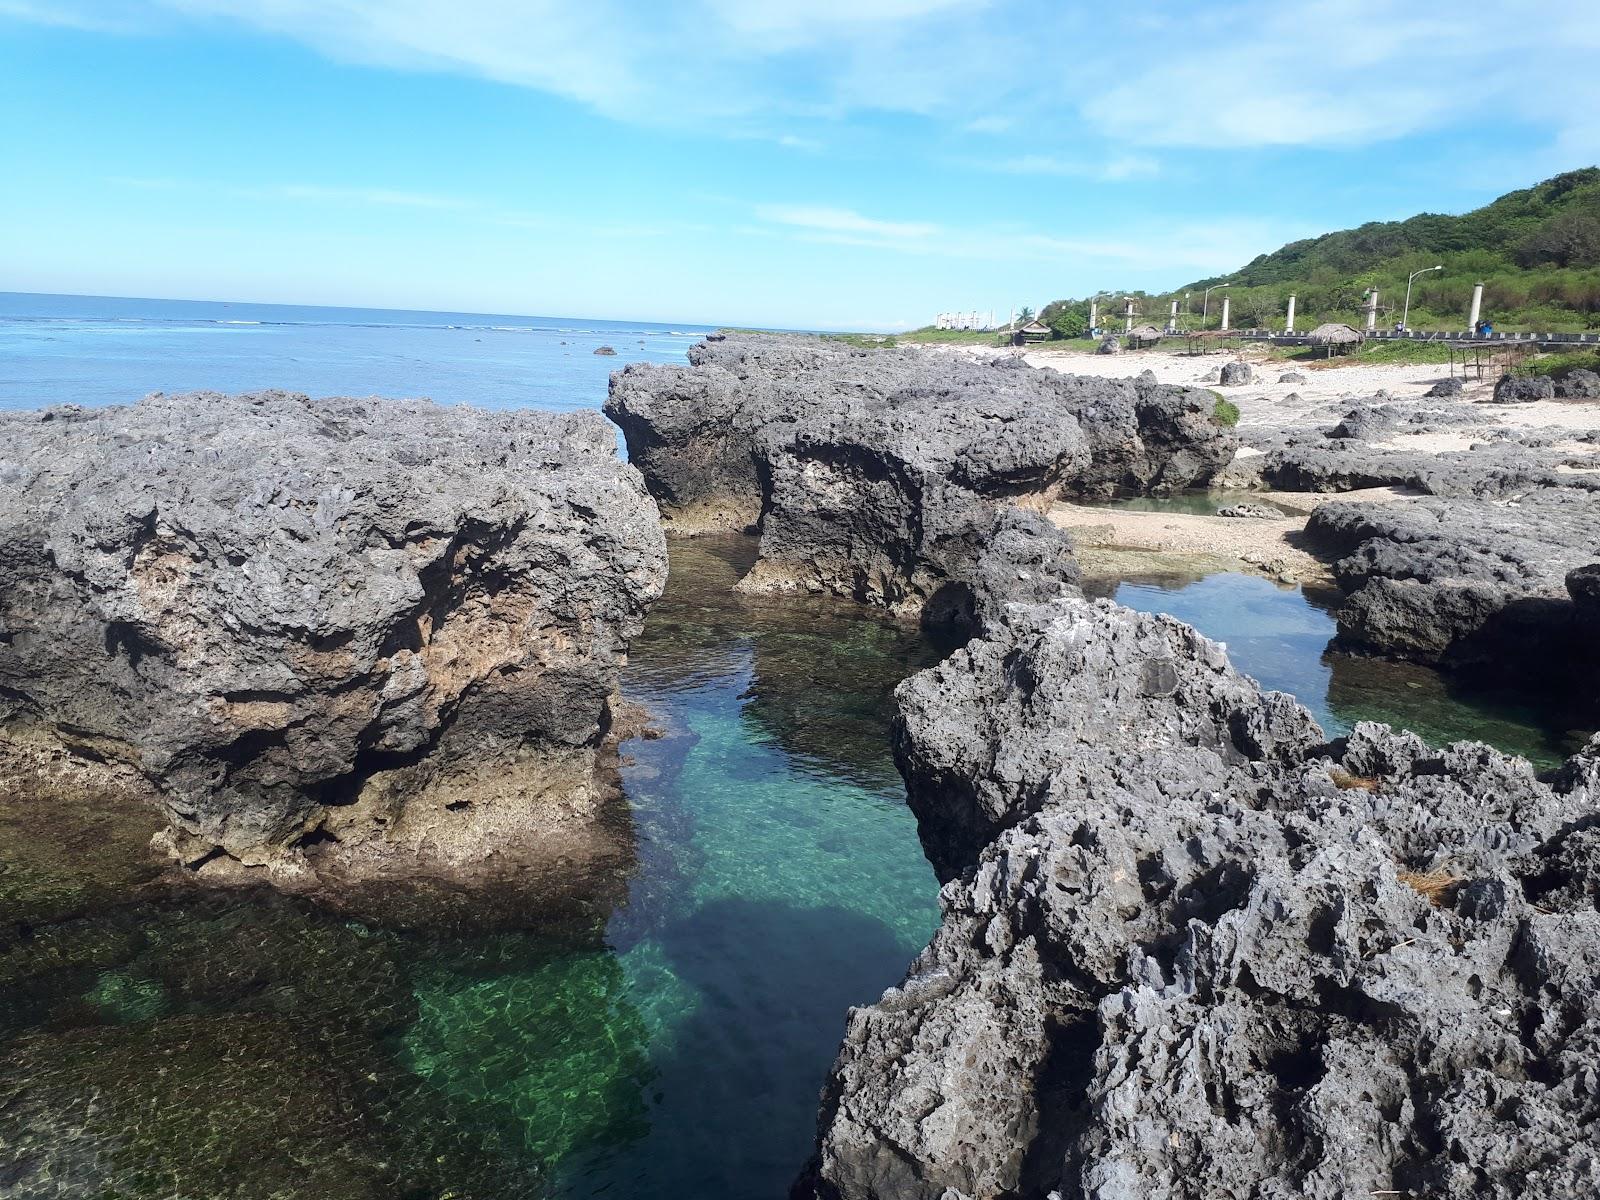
{"x": 1520, "y": 389}
{"x": 1473, "y": 584}
{"x": 1235, "y": 374}
{"x": 880, "y": 474}
{"x": 325, "y": 624}
{"x": 1192, "y": 951}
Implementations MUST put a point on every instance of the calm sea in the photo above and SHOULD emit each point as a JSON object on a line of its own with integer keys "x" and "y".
{"x": 103, "y": 350}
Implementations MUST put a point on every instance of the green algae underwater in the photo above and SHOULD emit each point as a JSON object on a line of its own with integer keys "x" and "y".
{"x": 173, "y": 1044}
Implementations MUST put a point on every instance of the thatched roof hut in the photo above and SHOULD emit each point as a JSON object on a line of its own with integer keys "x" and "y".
{"x": 1144, "y": 335}
{"x": 1334, "y": 334}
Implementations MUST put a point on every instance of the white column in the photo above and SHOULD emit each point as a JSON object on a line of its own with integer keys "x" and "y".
{"x": 1225, "y": 312}
{"x": 1127, "y": 316}
{"x": 1094, "y": 313}
{"x": 1477, "y": 306}
{"x": 1288, "y": 323}
{"x": 1172, "y": 321}
{"x": 1372, "y": 311}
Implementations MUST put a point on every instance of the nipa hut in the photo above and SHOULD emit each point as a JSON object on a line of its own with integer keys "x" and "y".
{"x": 1143, "y": 335}
{"x": 1334, "y": 334}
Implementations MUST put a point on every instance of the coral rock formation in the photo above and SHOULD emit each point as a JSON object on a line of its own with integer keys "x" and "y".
{"x": 325, "y": 629}
{"x": 1190, "y": 950}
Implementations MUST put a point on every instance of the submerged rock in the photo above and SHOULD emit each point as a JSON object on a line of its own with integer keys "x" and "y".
{"x": 1188, "y": 949}
{"x": 331, "y": 634}
{"x": 885, "y": 476}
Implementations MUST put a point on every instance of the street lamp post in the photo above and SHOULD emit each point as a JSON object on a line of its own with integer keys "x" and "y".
{"x": 1205, "y": 302}
{"x": 1405, "y": 313}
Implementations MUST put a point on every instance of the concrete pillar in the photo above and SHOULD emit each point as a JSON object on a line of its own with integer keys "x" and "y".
{"x": 1172, "y": 321}
{"x": 1288, "y": 322}
{"x": 1094, "y": 313}
{"x": 1127, "y": 315}
{"x": 1477, "y": 306}
{"x": 1225, "y": 303}
{"x": 1372, "y": 310}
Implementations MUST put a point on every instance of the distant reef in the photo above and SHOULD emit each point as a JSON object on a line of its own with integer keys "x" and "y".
{"x": 336, "y": 641}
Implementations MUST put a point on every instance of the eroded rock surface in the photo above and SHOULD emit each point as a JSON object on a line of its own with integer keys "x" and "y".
{"x": 327, "y": 632}
{"x": 1476, "y": 584}
{"x": 1189, "y": 950}
{"x": 885, "y": 475}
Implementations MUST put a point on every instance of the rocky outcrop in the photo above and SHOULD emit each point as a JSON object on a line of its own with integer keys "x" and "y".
{"x": 1292, "y": 377}
{"x": 1235, "y": 374}
{"x": 1580, "y": 383}
{"x": 888, "y": 476}
{"x": 338, "y": 637}
{"x": 1467, "y": 584}
{"x": 1447, "y": 387}
{"x": 1190, "y": 950}
{"x": 1520, "y": 389}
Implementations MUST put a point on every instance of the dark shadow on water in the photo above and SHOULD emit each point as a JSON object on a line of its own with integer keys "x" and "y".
{"x": 733, "y": 1102}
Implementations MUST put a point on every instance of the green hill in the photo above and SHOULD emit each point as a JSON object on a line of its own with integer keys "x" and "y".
{"x": 1536, "y": 251}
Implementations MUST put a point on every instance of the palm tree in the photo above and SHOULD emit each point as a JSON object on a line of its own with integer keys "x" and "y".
{"x": 1026, "y": 314}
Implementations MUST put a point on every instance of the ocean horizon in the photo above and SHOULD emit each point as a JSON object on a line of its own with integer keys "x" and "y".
{"x": 101, "y": 350}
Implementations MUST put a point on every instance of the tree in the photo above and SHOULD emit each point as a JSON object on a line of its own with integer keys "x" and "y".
{"x": 1571, "y": 239}
{"x": 1069, "y": 323}
{"x": 1026, "y": 314}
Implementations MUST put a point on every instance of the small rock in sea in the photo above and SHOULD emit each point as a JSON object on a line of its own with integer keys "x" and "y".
{"x": 1235, "y": 374}
{"x": 1291, "y": 377}
{"x": 604, "y": 350}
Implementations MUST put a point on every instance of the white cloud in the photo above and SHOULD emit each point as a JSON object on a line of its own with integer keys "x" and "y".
{"x": 1262, "y": 74}
{"x": 1174, "y": 249}
{"x": 1114, "y": 170}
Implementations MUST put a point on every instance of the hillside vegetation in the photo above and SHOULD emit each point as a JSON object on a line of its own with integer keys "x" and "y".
{"x": 1536, "y": 251}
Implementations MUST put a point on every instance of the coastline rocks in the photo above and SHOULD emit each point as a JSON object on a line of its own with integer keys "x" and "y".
{"x": 1189, "y": 950}
{"x": 1235, "y": 374}
{"x": 1110, "y": 344}
{"x": 1259, "y": 512}
{"x": 1579, "y": 384}
{"x": 1292, "y": 377}
{"x": 1466, "y": 583}
{"x": 340, "y": 638}
{"x": 885, "y": 476}
{"x": 606, "y": 351}
{"x": 1521, "y": 389}
{"x": 1446, "y": 388}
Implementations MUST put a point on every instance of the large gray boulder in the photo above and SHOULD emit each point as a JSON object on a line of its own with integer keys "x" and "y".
{"x": 1476, "y": 584}
{"x": 1188, "y": 950}
{"x": 880, "y": 474}
{"x": 1521, "y": 389}
{"x": 1579, "y": 384}
{"x": 329, "y": 633}
{"x": 1235, "y": 374}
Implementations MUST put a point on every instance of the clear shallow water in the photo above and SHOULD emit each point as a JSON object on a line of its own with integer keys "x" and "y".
{"x": 1196, "y": 503}
{"x": 675, "y": 1048}
{"x": 95, "y": 350}
{"x": 1279, "y": 635}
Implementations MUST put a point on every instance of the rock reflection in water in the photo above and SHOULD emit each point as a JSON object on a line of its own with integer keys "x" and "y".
{"x": 1281, "y": 634}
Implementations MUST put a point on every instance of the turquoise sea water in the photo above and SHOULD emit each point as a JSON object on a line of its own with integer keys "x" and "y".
{"x": 673, "y": 1048}
{"x": 95, "y": 350}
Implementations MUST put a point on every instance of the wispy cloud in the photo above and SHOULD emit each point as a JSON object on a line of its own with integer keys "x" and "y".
{"x": 842, "y": 221}
{"x": 311, "y": 193}
{"x": 1115, "y": 170}
{"x": 1319, "y": 73}
{"x": 1187, "y": 248}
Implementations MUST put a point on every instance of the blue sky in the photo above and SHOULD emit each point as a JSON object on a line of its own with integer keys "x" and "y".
{"x": 816, "y": 163}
